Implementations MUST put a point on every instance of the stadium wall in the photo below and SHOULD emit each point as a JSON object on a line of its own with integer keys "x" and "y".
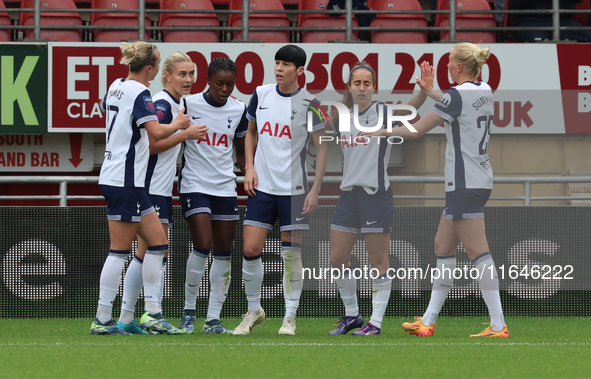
{"x": 52, "y": 258}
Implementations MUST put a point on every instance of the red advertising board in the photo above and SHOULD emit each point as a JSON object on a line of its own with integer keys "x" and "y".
{"x": 79, "y": 79}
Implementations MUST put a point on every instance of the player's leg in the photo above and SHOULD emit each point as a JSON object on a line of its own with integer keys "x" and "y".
{"x": 156, "y": 239}
{"x": 260, "y": 216}
{"x": 252, "y": 274}
{"x": 196, "y": 208}
{"x": 473, "y": 235}
{"x": 446, "y": 244}
{"x": 224, "y": 219}
{"x": 134, "y": 283}
{"x": 123, "y": 219}
{"x": 344, "y": 232}
{"x": 468, "y": 220}
{"x": 292, "y": 224}
{"x": 341, "y": 246}
{"x": 378, "y": 246}
{"x": 375, "y": 216}
{"x": 121, "y": 235}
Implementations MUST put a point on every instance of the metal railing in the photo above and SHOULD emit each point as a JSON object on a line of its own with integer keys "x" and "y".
{"x": 527, "y": 182}
{"x": 348, "y": 28}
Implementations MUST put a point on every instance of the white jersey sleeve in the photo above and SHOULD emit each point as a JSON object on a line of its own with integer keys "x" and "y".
{"x": 207, "y": 165}
{"x": 162, "y": 167}
{"x": 128, "y": 105}
{"x": 468, "y": 110}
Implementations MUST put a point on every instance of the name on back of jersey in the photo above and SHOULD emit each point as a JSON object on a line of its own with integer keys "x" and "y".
{"x": 275, "y": 132}
{"x": 116, "y": 93}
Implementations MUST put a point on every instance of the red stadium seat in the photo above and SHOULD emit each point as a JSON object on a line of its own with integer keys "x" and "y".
{"x": 116, "y": 19}
{"x": 53, "y": 18}
{"x": 326, "y": 20}
{"x": 266, "y": 20}
{"x": 188, "y": 19}
{"x": 4, "y": 20}
{"x": 583, "y": 17}
{"x": 397, "y": 20}
{"x": 468, "y": 20}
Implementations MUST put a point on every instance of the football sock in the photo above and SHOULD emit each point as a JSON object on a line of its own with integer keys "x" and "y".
{"x": 292, "y": 276}
{"x": 219, "y": 277}
{"x": 161, "y": 293}
{"x": 195, "y": 268}
{"x": 252, "y": 274}
{"x": 152, "y": 275}
{"x": 109, "y": 283}
{"x": 347, "y": 286}
{"x": 489, "y": 286}
{"x": 132, "y": 287}
{"x": 441, "y": 286}
{"x": 382, "y": 286}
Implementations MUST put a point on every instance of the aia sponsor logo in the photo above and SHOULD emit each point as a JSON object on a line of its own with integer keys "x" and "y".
{"x": 276, "y": 131}
{"x": 214, "y": 140}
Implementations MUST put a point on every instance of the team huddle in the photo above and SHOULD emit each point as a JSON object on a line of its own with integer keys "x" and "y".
{"x": 269, "y": 139}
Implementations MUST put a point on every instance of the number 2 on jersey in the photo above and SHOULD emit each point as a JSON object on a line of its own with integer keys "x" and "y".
{"x": 486, "y": 120}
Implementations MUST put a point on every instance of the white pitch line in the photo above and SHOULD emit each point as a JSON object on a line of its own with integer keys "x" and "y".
{"x": 273, "y": 344}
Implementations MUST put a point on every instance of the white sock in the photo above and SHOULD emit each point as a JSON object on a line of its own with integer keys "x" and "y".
{"x": 489, "y": 286}
{"x": 161, "y": 293}
{"x": 152, "y": 275}
{"x": 252, "y": 274}
{"x": 293, "y": 281}
{"x": 109, "y": 283}
{"x": 219, "y": 277}
{"x": 441, "y": 286}
{"x": 382, "y": 286}
{"x": 347, "y": 286}
{"x": 195, "y": 268}
{"x": 132, "y": 287}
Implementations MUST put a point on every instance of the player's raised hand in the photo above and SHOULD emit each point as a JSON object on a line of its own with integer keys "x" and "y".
{"x": 183, "y": 119}
{"x": 196, "y": 131}
{"x": 250, "y": 182}
{"x": 427, "y": 75}
{"x": 310, "y": 203}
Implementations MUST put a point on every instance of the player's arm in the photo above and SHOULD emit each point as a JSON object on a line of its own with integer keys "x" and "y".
{"x": 311, "y": 201}
{"x": 425, "y": 82}
{"x": 159, "y": 131}
{"x": 239, "y": 149}
{"x": 424, "y": 125}
{"x": 196, "y": 131}
{"x": 250, "y": 146}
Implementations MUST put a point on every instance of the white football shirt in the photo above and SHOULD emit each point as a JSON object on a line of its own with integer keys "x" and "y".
{"x": 162, "y": 166}
{"x": 128, "y": 105}
{"x": 280, "y": 158}
{"x": 207, "y": 165}
{"x": 365, "y": 159}
{"x": 468, "y": 110}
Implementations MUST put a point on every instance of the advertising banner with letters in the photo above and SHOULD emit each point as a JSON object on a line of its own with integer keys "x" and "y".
{"x": 45, "y": 153}
{"x": 538, "y": 89}
{"x": 23, "y": 88}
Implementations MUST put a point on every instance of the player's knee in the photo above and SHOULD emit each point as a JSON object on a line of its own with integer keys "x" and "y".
{"x": 251, "y": 251}
{"x": 339, "y": 262}
{"x": 441, "y": 248}
{"x": 204, "y": 244}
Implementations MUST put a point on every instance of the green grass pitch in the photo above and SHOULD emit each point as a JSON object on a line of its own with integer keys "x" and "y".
{"x": 64, "y": 348}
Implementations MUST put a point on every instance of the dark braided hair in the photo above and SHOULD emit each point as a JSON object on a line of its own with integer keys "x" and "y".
{"x": 220, "y": 64}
